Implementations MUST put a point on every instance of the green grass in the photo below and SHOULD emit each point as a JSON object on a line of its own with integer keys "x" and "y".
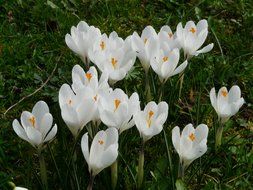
{"x": 32, "y": 42}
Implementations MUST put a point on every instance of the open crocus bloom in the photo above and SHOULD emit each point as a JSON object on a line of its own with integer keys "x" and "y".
{"x": 105, "y": 44}
{"x": 145, "y": 46}
{"x": 76, "y": 111}
{"x": 116, "y": 63}
{"x": 150, "y": 121}
{"x": 226, "y": 104}
{"x": 36, "y": 126}
{"x": 81, "y": 38}
{"x": 117, "y": 109}
{"x": 192, "y": 37}
{"x": 191, "y": 144}
{"x": 166, "y": 36}
{"x": 103, "y": 151}
{"x": 165, "y": 63}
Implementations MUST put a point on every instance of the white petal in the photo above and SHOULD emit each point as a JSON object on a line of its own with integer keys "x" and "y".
{"x": 39, "y": 110}
{"x": 19, "y": 130}
{"x": 35, "y": 137}
{"x": 180, "y": 68}
{"x": 85, "y": 147}
{"x": 213, "y": 98}
{"x": 234, "y": 93}
{"x": 205, "y": 49}
{"x": 51, "y": 134}
{"x": 188, "y": 130}
{"x": 45, "y": 124}
{"x": 71, "y": 44}
{"x": 176, "y": 138}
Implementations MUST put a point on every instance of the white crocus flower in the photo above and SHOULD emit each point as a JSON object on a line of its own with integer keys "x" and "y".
{"x": 192, "y": 37}
{"x": 116, "y": 62}
{"x": 166, "y": 36}
{"x": 76, "y": 111}
{"x": 145, "y": 45}
{"x": 103, "y": 151}
{"x": 36, "y": 126}
{"x": 165, "y": 63}
{"x": 226, "y": 104}
{"x": 117, "y": 109}
{"x": 150, "y": 121}
{"x": 81, "y": 38}
{"x": 191, "y": 144}
{"x": 87, "y": 86}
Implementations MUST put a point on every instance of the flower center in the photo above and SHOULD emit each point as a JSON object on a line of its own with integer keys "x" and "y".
{"x": 192, "y": 30}
{"x": 88, "y": 76}
{"x": 70, "y": 102}
{"x": 192, "y": 137}
{"x": 32, "y": 121}
{"x": 102, "y": 45}
{"x": 165, "y": 58}
{"x": 114, "y": 62}
{"x": 116, "y": 104}
{"x": 224, "y": 93}
{"x": 170, "y": 35}
{"x": 95, "y": 97}
{"x": 145, "y": 40}
{"x": 149, "y": 120}
{"x": 101, "y": 142}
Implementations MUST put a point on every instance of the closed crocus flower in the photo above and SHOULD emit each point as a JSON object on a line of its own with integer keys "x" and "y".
{"x": 149, "y": 122}
{"x": 75, "y": 111}
{"x": 191, "y": 143}
{"x": 117, "y": 109}
{"x": 103, "y": 151}
{"x": 145, "y": 45}
{"x": 166, "y": 36}
{"x": 36, "y": 126}
{"x": 165, "y": 63}
{"x": 192, "y": 37}
{"x": 81, "y": 38}
{"x": 226, "y": 104}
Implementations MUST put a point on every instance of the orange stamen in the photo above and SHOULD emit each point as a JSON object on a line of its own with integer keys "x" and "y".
{"x": 32, "y": 121}
{"x": 114, "y": 62}
{"x": 101, "y": 142}
{"x": 102, "y": 45}
{"x": 88, "y": 76}
{"x": 192, "y": 137}
{"x": 224, "y": 93}
{"x": 116, "y": 103}
{"x": 165, "y": 58}
{"x": 192, "y": 30}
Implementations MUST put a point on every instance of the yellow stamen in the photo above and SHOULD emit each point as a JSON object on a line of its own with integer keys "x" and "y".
{"x": 101, "y": 142}
{"x": 165, "y": 58}
{"x": 114, "y": 62}
{"x": 170, "y": 35}
{"x": 192, "y": 30}
{"x": 88, "y": 76}
{"x": 116, "y": 103}
{"x": 145, "y": 40}
{"x": 102, "y": 45}
{"x": 95, "y": 97}
{"x": 224, "y": 93}
{"x": 32, "y": 121}
{"x": 192, "y": 137}
{"x": 70, "y": 102}
{"x": 149, "y": 120}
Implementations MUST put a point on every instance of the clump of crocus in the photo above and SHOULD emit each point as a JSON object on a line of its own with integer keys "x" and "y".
{"x": 190, "y": 144}
{"x": 226, "y": 104}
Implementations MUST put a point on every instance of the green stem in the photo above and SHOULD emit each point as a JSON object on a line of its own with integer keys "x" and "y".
{"x": 140, "y": 167}
{"x": 169, "y": 157}
{"x": 114, "y": 174}
{"x": 147, "y": 87}
{"x": 161, "y": 91}
{"x": 218, "y": 136}
{"x": 43, "y": 170}
{"x": 90, "y": 185}
{"x": 180, "y": 170}
{"x": 181, "y": 84}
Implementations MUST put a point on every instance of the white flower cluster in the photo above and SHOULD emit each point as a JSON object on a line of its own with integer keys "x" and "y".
{"x": 90, "y": 97}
